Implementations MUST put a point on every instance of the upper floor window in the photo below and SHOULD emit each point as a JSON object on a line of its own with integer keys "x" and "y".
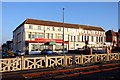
{"x": 33, "y": 35}
{"x": 29, "y": 35}
{"x": 60, "y": 36}
{"x": 101, "y": 39}
{"x": 72, "y": 38}
{"x": 59, "y": 28}
{"x": 40, "y": 35}
{"x": 96, "y": 39}
{"x": 66, "y": 29}
{"x": 87, "y": 38}
{"x": 47, "y": 35}
{"x": 53, "y": 28}
{"x": 30, "y": 26}
{"x": 48, "y": 28}
{"x": 92, "y": 38}
{"x": 51, "y": 36}
{"x": 82, "y": 38}
{"x": 39, "y": 27}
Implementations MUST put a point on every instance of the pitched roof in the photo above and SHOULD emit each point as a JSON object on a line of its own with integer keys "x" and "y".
{"x": 110, "y": 33}
{"x": 59, "y": 24}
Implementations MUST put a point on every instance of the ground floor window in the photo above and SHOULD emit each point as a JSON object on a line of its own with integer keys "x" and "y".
{"x": 40, "y": 47}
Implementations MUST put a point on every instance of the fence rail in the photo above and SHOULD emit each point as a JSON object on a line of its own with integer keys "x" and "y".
{"x": 25, "y": 63}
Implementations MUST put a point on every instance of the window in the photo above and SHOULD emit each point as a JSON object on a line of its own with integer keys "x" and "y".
{"x": 29, "y": 35}
{"x": 92, "y": 38}
{"x": 30, "y": 26}
{"x": 50, "y": 36}
{"x": 53, "y": 28}
{"x": 59, "y": 36}
{"x": 48, "y": 28}
{"x": 40, "y": 35}
{"x": 82, "y": 38}
{"x": 34, "y": 47}
{"x": 47, "y": 35}
{"x": 101, "y": 39}
{"x": 72, "y": 38}
{"x": 87, "y": 38}
{"x": 59, "y": 29}
{"x": 33, "y": 35}
{"x": 96, "y": 39}
{"x": 39, "y": 27}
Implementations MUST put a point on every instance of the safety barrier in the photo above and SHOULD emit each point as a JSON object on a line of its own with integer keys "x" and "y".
{"x": 25, "y": 63}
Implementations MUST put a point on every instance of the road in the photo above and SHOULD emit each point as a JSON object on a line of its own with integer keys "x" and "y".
{"x": 109, "y": 75}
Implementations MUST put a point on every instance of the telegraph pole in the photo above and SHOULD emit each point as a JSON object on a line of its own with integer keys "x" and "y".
{"x": 63, "y": 31}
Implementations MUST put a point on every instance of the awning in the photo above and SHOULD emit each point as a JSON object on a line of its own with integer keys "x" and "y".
{"x": 50, "y": 43}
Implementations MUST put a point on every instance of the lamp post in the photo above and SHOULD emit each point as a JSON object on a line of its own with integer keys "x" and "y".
{"x": 63, "y": 31}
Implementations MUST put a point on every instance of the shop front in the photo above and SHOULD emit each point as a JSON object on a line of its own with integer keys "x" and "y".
{"x": 38, "y": 44}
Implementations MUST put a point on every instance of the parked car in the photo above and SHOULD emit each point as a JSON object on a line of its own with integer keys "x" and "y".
{"x": 33, "y": 52}
{"x": 8, "y": 55}
{"x": 19, "y": 53}
{"x": 98, "y": 51}
{"x": 61, "y": 51}
{"x": 46, "y": 51}
{"x": 5, "y": 55}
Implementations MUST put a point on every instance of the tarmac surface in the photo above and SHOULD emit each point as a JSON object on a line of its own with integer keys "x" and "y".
{"x": 108, "y": 75}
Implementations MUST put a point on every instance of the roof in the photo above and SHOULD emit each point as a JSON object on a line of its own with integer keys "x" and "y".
{"x": 110, "y": 33}
{"x": 58, "y": 24}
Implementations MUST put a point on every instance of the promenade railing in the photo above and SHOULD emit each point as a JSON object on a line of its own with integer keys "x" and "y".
{"x": 26, "y": 63}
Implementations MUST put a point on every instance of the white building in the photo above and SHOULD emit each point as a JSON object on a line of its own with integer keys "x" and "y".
{"x": 33, "y": 34}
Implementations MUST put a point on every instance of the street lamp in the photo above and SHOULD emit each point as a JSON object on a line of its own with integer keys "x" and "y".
{"x": 63, "y": 31}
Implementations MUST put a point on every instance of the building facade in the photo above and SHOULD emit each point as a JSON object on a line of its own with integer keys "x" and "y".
{"x": 33, "y": 34}
{"x": 113, "y": 38}
{"x": 118, "y": 38}
{"x": 7, "y": 46}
